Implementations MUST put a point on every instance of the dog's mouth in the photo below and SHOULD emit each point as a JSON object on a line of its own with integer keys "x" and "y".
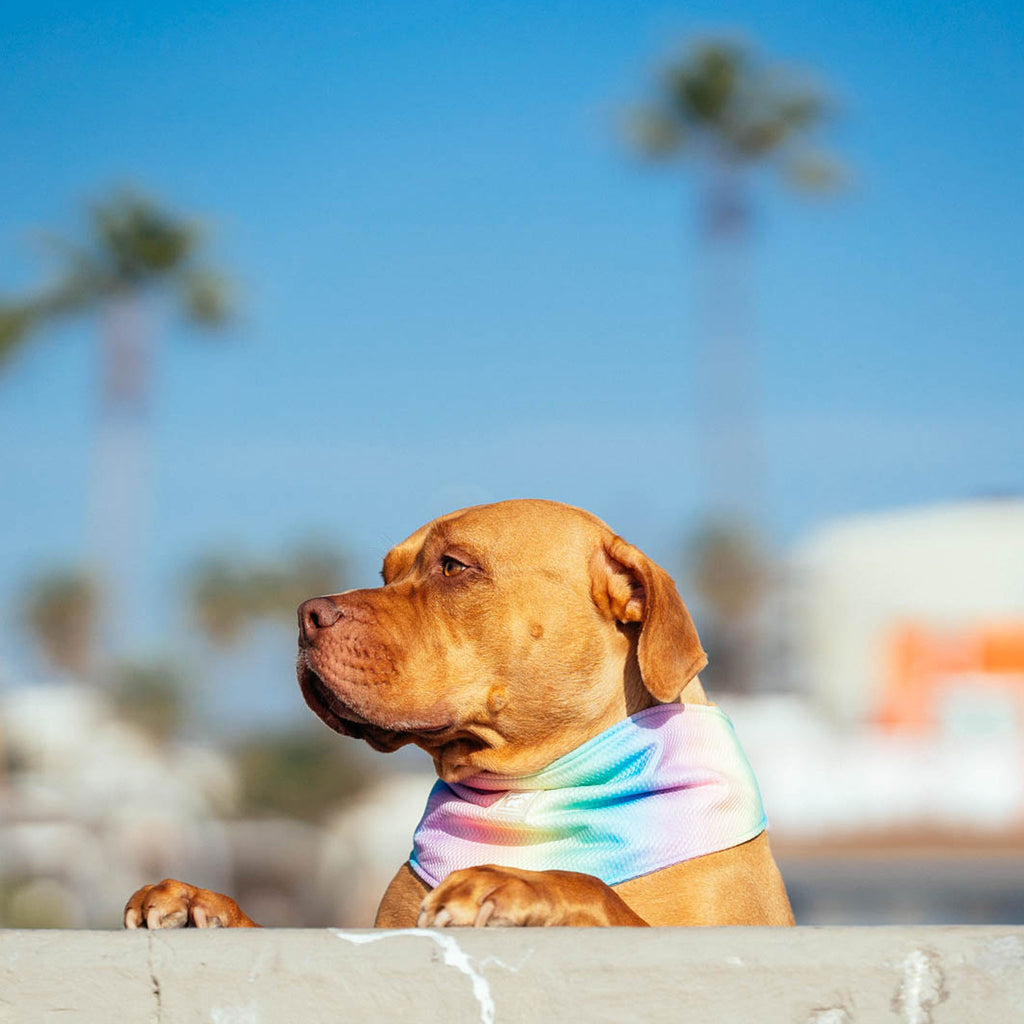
{"x": 381, "y": 733}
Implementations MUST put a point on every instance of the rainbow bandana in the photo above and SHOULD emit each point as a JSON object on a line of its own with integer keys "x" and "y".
{"x": 665, "y": 785}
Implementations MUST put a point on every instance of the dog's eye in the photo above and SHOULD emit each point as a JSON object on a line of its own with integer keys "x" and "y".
{"x": 450, "y": 566}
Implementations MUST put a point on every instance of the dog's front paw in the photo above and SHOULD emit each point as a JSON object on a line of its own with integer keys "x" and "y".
{"x": 491, "y": 896}
{"x": 174, "y": 904}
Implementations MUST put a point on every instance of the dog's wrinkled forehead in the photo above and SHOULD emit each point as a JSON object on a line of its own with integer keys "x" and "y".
{"x": 507, "y": 534}
{"x": 403, "y": 557}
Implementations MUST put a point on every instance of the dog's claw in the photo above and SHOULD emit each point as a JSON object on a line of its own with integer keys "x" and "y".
{"x": 484, "y": 914}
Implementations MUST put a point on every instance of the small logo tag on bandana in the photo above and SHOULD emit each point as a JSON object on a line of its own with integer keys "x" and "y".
{"x": 514, "y": 806}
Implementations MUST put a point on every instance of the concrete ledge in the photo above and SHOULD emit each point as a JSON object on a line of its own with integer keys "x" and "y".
{"x": 701, "y": 976}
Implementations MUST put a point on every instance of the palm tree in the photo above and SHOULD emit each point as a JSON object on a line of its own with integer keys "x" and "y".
{"x": 727, "y": 113}
{"x": 731, "y": 574}
{"x": 61, "y": 610}
{"x": 136, "y": 248}
{"x": 136, "y": 254}
{"x": 226, "y": 596}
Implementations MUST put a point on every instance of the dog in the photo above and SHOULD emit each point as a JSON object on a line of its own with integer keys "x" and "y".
{"x": 530, "y": 651}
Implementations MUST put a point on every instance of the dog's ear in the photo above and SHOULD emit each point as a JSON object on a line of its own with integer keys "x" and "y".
{"x": 628, "y": 587}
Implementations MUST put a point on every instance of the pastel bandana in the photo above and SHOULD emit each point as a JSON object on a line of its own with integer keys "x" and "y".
{"x": 665, "y": 785}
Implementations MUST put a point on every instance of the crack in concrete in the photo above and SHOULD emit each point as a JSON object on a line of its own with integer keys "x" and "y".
{"x": 154, "y": 980}
{"x": 454, "y": 956}
{"x": 514, "y": 968}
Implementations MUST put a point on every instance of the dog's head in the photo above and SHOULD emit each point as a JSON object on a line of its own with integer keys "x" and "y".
{"x": 504, "y": 636}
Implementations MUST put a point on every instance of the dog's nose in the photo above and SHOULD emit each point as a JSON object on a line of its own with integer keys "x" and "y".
{"x": 318, "y": 614}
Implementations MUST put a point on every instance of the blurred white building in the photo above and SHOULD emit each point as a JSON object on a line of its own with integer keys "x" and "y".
{"x": 941, "y": 586}
{"x": 907, "y": 629}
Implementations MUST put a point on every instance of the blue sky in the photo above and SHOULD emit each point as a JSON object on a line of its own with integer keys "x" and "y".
{"x": 458, "y": 286}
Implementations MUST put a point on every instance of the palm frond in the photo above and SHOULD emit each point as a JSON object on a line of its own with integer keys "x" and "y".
{"x": 140, "y": 240}
{"x": 813, "y": 171}
{"x": 16, "y": 321}
{"x": 705, "y": 85}
{"x": 726, "y": 104}
{"x": 206, "y": 297}
{"x": 655, "y": 133}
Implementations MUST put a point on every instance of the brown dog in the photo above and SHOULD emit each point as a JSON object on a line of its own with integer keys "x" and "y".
{"x": 504, "y": 637}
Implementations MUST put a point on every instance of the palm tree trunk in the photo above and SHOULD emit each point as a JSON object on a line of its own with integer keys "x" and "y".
{"x": 728, "y": 435}
{"x": 119, "y": 500}
{"x": 726, "y": 379}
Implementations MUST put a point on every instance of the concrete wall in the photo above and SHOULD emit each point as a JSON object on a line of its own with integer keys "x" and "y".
{"x": 696, "y": 976}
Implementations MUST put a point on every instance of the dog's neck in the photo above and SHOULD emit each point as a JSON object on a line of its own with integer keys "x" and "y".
{"x": 693, "y": 693}
{"x": 453, "y": 762}
{"x": 636, "y": 696}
